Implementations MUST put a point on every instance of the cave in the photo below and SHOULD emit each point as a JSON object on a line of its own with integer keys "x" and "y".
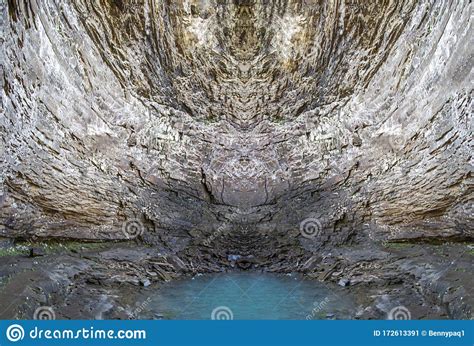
{"x": 143, "y": 141}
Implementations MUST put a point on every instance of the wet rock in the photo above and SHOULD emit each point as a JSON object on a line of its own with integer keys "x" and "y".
{"x": 233, "y": 258}
{"x": 432, "y": 286}
{"x": 94, "y": 281}
{"x": 344, "y": 282}
{"x": 326, "y": 271}
{"x": 36, "y": 252}
{"x": 311, "y": 263}
{"x": 145, "y": 282}
{"x": 6, "y": 243}
{"x": 244, "y": 264}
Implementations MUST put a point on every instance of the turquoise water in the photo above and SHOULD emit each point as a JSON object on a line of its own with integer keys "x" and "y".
{"x": 247, "y": 295}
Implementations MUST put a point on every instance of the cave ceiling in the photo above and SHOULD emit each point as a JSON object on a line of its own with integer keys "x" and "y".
{"x": 253, "y": 114}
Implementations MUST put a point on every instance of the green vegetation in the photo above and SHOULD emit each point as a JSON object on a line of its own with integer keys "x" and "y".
{"x": 51, "y": 247}
{"x": 12, "y": 251}
{"x": 395, "y": 245}
{"x": 169, "y": 315}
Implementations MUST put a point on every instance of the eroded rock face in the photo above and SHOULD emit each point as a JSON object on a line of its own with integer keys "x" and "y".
{"x": 237, "y": 127}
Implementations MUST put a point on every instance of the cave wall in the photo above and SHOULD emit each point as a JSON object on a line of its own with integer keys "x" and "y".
{"x": 237, "y": 120}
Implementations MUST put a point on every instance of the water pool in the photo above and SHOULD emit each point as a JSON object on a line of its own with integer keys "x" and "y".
{"x": 246, "y": 295}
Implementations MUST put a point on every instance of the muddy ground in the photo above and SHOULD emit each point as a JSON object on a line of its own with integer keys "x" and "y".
{"x": 109, "y": 280}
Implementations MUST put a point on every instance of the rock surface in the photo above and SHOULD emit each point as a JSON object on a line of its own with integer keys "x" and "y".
{"x": 266, "y": 129}
{"x": 431, "y": 281}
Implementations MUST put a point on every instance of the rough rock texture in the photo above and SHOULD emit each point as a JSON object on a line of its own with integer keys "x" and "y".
{"x": 220, "y": 127}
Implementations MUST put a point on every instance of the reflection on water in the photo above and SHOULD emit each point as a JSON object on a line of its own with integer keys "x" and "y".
{"x": 247, "y": 295}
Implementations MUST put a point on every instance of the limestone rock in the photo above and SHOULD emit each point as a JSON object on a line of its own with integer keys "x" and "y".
{"x": 163, "y": 121}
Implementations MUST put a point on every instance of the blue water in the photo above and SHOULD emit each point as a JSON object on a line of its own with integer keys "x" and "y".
{"x": 247, "y": 295}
